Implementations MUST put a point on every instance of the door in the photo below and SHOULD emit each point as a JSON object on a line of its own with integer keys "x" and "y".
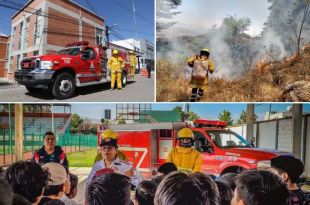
{"x": 90, "y": 66}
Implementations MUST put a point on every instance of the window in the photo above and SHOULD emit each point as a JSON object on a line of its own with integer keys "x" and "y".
{"x": 35, "y": 53}
{"x": 100, "y": 37}
{"x": 20, "y": 35}
{"x": 205, "y": 145}
{"x": 17, "y": 62}
{"x": 37, "y": 27}
{"x": 26, "y": 34}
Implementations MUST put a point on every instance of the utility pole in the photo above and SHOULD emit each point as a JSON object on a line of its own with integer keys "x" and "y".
{"x": 250, "y": 122}
{"x": 107, "y": 33}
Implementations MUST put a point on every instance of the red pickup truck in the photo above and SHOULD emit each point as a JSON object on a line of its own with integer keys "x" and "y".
{"x": 75, "y": 66}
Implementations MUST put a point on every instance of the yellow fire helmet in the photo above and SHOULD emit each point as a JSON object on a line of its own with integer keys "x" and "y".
{"x": 205, "y": 50}
{"x": 131, "y": 52}
{"x": 115, "y": 52}
{"x": 185, "y": 133}
{"x": 109, "y": 134}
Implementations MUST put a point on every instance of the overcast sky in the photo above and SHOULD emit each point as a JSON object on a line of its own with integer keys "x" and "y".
{"x": 197, "y": 14}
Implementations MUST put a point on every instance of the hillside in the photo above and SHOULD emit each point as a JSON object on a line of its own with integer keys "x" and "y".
{"x": 281, "y": 81}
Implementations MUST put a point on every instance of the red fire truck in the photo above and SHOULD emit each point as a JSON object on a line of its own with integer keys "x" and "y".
{"x": 75, "y": 66}
{"x": 147, "y": 145}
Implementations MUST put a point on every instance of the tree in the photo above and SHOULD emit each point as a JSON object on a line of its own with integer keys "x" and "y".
{"x": 104, "y": 121}
{"x": 192, "y": 116}
{"x": 179, "y": 110}
{"x": 225, "y": 116}
{"x": 121, "y": 121}
{"x": 163, "y": 11}
{"x": 242, "y": 118}
{"x": 76, "y": 121}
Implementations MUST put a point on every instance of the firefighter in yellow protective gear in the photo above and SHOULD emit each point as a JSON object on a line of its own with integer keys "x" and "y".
{"x": 184, "y": 156}
{"x": 111, "y": 135}
{"x": 201, "y": 65}
{"x": 116, "y": 64}
{"x": 133, "y": 63}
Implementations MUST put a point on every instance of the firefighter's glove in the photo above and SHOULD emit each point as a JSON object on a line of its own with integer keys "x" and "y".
{"x": 190, "y": 64}
{"x": 211, "y": 71}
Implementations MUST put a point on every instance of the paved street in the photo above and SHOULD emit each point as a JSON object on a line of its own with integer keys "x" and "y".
{"x": 141, "y": 89}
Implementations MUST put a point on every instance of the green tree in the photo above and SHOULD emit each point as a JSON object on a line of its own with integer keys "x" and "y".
{"x": 93, "y": 130}
{"x": 121, "y": 121}
{"x": 242, "y": 117}
{"x": 104, "y": 121}
{"x": 181, "y": 113}
{"x": 192, "y": 116}
{"x": 225, "y": 116}
{"x": 76, "y": 121}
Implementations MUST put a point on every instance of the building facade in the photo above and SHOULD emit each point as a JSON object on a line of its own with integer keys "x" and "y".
{"x": 46, "y": 26}
{"x": 4, "y": 41}
{"x": 143, "y": 47}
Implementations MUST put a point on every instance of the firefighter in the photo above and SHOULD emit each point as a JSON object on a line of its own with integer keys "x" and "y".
{"x": 184, "y": 156}
{"x": 133, "y": 63}
{"x": 120, "y": 154}
{"x": 116, "y": 64}
{"x": 201, "y": 65}
{"x": 50, "y": 152}
{"x": 111, "y": 162}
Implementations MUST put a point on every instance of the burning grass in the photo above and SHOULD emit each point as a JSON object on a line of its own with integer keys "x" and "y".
{"x": 266, "y": 83}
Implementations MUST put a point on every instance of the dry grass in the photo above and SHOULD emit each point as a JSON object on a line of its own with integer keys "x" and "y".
{"x": 265, "y": 83}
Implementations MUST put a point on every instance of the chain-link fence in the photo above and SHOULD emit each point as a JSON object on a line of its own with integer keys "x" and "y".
{"x": 33, "y": 141}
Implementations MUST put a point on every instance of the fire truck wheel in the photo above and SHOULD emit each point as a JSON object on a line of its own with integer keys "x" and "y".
{"x": 124, "y": 79}
{"x": 63, "y": 86}
{"x": 34, "y": 90}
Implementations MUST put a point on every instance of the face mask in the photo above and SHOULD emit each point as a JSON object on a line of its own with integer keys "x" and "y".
{"x": 185, "y": 144}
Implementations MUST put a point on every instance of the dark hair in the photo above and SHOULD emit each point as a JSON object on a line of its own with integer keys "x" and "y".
{"x": 145, "y": 192}
{"x": 74, "y": 182}
{"x": 20, "y": 200}
{"x": 225, "y": 192}
{"x": 27, "y": 179}
{"x": 49, "y": 133}
{"x": 109, "y": 189}
{"x": 229, "y": 179}
{"x": 180, "y": 188}
{"x": 167, "y": 167}
{"x": 53, "y": 190}
{"x": 6, "y": 193}
{"x": 289, "y": 164}
{"x": 2, "y": 173}
{"x": 261, "y": 188}
{"x": 209, "y": 188}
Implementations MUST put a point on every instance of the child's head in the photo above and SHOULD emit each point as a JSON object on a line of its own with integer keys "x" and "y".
{"x": 74, "y": 182}
{"x": 166, "y": 168}
{"x": 229, "y": 179}
{"x": 145, "y": 192}
{"x": 259, "y": 187}
{"x": 288, "y": 168}
{"x": 225, "y": 192}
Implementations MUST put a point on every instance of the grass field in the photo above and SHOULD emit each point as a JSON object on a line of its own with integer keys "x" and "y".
{"x": 82, "y": 159}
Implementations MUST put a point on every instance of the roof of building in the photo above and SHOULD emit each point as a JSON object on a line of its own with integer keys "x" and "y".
{"x": 68, "y": 1}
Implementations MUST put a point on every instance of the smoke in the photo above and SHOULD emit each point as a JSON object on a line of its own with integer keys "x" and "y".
{"x": 235, "y": 51}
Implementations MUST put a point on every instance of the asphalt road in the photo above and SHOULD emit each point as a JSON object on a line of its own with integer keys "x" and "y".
{"x": 140, "y": 89}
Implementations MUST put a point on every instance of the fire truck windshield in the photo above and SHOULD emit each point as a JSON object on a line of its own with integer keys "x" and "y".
{"x": 227, "y": 139}
{"x": 70, "y": 51}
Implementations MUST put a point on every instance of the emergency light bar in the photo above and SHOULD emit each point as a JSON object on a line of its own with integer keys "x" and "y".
{"x": 209, "y": 123}
{"x": 76, "y": 44}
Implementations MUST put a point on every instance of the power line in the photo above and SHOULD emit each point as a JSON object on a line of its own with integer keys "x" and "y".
{"x": 91, "y": 7}
{"x": 128, "y": 9}
{"x": 52, "y": 16}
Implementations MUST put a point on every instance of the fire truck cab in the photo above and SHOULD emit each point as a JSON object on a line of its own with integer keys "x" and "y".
{"x": 147, "y": 145}
{"x": 75, "y": 66}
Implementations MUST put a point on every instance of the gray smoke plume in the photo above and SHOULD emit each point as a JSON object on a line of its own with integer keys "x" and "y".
{"x": 233, "y": 50}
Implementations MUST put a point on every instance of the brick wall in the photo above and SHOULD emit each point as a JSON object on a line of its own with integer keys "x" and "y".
{"x": 3, "y": 51}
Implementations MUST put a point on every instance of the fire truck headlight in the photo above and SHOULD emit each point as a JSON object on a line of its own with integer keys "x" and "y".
{"x": 264, "y": 164}
{"x": 46, "y": 65}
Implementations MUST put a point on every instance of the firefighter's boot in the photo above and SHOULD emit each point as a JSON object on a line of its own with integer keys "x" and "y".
{"x": 193, "y": 97}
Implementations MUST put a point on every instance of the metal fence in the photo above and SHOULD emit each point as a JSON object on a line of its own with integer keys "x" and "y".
{"x": 33, "y": 141}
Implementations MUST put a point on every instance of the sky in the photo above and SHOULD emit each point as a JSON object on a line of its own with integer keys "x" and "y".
{"x": 113, "y": 11}
{"x": 95, "y": 111}
{"x": 199, "y": 15}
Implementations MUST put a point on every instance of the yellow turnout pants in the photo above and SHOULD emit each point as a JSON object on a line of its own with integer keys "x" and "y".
{"x": 116, "y": 75}
{"x": 132, "y": 70}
